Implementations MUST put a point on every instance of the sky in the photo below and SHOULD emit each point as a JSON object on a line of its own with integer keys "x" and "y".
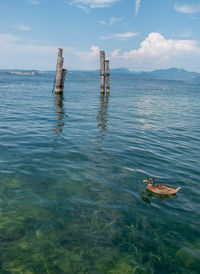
{"x": 140, "y": 35}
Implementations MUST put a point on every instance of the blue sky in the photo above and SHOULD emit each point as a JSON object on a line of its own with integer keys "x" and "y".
{"x": 136, "y": 34}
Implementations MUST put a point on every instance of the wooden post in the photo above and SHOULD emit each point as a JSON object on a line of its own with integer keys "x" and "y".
{"x": 107, "y": 75}
{"x": 60, "y": 73}
{"x": 102, "y": 116}
{"x": 64, "y": 71}
{"x": 102, "y": 71}
{"x": 60, "y": 113}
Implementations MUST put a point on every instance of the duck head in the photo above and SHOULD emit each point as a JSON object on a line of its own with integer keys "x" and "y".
{"x": 149, "y": 180}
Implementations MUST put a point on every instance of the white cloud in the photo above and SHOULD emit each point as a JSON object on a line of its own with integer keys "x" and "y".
{"x": 114, "y": 20}
{"x": 34, "y": 2}
{"x": 22, "y": 27}
{"x": 188, "y": 9}
{"x": 157, "y": 52}
{"x": 90, "y": 4}
{"x": 137, "y": 6}
{"x": 88, "y": 56}
{"x": 101, "y": 22}
{"x": 121, "y": 36}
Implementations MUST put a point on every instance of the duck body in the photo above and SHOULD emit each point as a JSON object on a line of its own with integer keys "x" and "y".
{"x": 161, "y": 188}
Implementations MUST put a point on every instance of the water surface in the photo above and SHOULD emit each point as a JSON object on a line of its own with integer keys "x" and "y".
{"x": 71, "y": 169}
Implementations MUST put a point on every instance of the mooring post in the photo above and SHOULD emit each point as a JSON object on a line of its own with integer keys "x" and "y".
{"x": 102, "y": 71}
{"x": 107, "y": 75}
{"x": 60, "y": 73}
{"x": 64, "y": 71}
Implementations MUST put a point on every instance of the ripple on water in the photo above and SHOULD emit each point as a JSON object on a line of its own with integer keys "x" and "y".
{"x": 71, "y": 173}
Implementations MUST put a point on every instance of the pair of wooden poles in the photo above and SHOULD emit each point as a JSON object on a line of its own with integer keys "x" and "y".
{"x": 61, "y": 72}
{"x": 104, "y": 73}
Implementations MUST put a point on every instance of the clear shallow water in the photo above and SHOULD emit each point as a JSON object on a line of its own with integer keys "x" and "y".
{"x": 71, "y": 169}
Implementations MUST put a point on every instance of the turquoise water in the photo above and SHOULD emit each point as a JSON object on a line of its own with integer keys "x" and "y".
{"x": 71, "y": 169}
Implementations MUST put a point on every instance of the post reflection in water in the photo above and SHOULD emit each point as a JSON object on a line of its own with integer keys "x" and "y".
{"x": 60, "y": 113}
{"x": 102, "y": 117}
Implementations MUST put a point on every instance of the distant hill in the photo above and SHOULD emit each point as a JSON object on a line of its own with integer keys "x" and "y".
{"x": 169, "y": 74}
{"x": 120, "y": 70}
{"x": 161, "y": 74}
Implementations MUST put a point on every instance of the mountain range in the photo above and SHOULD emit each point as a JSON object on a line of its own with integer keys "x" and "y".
{"x": 161, "y": 74}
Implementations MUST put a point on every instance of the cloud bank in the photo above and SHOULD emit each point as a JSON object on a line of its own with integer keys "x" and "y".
{"x": 157, "y": 52}
{"x": 154, "y": 52}
{"x": 19, "y": 53}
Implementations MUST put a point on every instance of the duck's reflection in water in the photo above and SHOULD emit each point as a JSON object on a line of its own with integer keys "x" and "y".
{"x": 148, "y": 195}
{"x": 102, "y": 116}
{"x": 60, "y": 113}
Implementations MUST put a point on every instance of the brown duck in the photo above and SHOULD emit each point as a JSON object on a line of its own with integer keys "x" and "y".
{"x": 161, "y": 188}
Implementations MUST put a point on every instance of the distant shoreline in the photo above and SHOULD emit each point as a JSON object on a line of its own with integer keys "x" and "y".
{"x": 162, "y": 74}
{"x": 23, "y": 72}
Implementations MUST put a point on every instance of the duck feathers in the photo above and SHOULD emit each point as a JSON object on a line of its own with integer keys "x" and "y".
{"x": 163, "y": 189}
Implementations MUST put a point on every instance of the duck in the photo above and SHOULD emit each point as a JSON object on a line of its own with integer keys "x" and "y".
{"x": 160, "y": 188}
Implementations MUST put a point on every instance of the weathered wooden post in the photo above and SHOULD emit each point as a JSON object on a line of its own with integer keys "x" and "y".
{"x": 64, "y": 71}
{"x": 60, "y": 113}
{"x": 60, "y": 73}
{"x": 102, "y": 116}
{"x": 107, "y": 75}
{"x": 102, "y": 71}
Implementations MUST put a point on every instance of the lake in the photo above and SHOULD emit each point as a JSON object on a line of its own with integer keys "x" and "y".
{"x": 71, "y": 169}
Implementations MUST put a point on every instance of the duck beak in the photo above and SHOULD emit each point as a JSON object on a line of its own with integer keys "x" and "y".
{"x": 144, "y": 181}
